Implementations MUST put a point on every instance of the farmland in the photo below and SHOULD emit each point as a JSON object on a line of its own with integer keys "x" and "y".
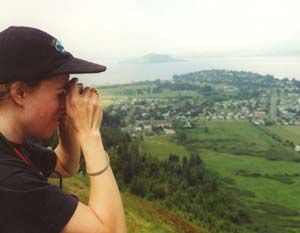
{"x": 268, "y": 189}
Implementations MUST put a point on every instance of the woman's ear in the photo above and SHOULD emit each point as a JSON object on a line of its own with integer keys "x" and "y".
{"x": 19, "y": 91}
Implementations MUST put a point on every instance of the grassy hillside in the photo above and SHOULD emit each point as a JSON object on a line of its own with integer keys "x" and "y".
{"x": 144, "y": 216}
{"x": 141, "y": 216}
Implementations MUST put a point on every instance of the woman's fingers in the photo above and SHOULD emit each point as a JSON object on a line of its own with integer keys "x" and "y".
{"x": 85, "y": 109}
{"x": 72, "y": 95}
{"x": 98, "y": 112}
{"x": 73, "y": 91}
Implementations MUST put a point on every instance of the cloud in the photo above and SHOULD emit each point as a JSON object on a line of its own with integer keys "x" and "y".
{"x": 119, "y": 28}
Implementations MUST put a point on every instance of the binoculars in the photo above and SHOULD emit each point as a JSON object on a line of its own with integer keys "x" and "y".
{"x": 80, "y": 87}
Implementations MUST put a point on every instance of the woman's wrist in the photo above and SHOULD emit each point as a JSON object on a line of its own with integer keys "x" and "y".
{"x": 88, "y": 142}
{"x": 94, "y": 153}
{"x": 89, "y": 137}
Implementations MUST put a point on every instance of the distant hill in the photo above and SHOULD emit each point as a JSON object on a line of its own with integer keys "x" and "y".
{"x": 153, "y": 58}
{"x": 281, "y": 52}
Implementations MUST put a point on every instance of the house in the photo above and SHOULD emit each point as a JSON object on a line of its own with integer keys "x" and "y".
{"x": 297, "y": 148}
{"x": 147, "y": 128}
{"x": 259, "y": 114}
{"x": 124, "y": 108}
{"x": 187, "y": 125}
{"x": 255, "y": 122}
{"x": 166, "y": 115}
{"x": 258, "y": 122}
{"x": 138, "y": 129}
{"x": 169, "y": 131}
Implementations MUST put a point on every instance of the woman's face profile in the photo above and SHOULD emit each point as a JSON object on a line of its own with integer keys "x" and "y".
{"x": 45, "y": 105}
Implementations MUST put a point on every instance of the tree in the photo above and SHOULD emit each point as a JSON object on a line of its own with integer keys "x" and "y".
{"x": 137, "y": 187}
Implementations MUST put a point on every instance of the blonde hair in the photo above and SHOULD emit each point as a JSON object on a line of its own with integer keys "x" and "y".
{"x": 4, "y": 90}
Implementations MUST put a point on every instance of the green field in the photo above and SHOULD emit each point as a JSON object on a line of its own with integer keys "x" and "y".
{"x": 268, "y": 190}
{"x": 239, "y": 138}
{"x": 170, "y": 94}
{"x": 291, "y": 133}
{"x": 120, "y": 88}
{"x": 162, "y": 147}
{"x": 121, "y": 91}
{"x": 226, "y": 87}
{"x": 161, "y": 95}
{"x": 265, "y": 188}
{"x": 240, "y": 133}
{"x": 107, "y": 98}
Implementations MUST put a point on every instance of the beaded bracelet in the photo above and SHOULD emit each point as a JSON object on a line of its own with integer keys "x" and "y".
{"x": 102, "y": 170}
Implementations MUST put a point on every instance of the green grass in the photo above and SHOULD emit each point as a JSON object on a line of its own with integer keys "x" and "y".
{"x": 107, "y": 102}
{"x": 231, "y": 136}
{"x": 291, "y": 133}
{"x": 107, "y": 97}
{"x": 139, "y": 220}
{"x": 265, "y": 189}
{"x": 170, "y": 94}
{"x": 120, "y": 92}
{"x": 162, "y": 147}
{"x": 237, "y": 137}
{"x": 229, "y": 88}
{"x": 144, "y": 216}
{"x": 120, "y": 88}
{"x": 269, "y": 201}
{"x": 141, "y": 216}
{"x": 163, "y": 95}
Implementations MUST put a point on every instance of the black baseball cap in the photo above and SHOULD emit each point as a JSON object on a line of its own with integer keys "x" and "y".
{"x": 28, "y": 54}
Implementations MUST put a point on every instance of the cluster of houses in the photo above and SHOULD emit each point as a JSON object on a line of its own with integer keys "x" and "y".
{"x": 257, "y": 110}
{"x": 147, "y": 128}
{"x": 288, "y": 111}
{"x": 147, "y": 114}
{"x": 252, "y": 109}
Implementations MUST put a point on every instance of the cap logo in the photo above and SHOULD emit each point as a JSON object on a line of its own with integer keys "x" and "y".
{"x": 58, "y": 46}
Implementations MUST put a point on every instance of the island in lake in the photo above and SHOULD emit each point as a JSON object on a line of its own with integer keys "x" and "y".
{"x": 153, "y": 58}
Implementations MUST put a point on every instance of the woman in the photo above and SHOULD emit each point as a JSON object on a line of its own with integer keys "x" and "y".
{"x": 36, "y": 97}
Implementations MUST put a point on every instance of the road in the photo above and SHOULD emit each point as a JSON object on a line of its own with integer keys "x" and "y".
{"x": 273, "y": 106}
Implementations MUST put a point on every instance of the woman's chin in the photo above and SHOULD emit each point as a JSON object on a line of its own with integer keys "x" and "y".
{"x": 49, "y": 133}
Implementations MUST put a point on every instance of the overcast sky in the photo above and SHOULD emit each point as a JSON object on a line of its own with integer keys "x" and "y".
{"x": 114, "y": 29}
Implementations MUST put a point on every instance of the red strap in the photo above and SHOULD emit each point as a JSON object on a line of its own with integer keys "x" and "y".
{"x": 21, "y": 156}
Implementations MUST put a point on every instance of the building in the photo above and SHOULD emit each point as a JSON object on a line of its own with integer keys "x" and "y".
{"x": 259, "y": 114}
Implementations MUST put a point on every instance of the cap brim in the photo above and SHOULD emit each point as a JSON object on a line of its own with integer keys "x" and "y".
{"x": 79, "y": 66}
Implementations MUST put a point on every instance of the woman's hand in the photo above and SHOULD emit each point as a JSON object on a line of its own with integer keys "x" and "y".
{"x": 84, "y": 110}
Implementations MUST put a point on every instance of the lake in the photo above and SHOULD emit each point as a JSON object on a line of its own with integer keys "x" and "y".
{"x": 279, "y": 67}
